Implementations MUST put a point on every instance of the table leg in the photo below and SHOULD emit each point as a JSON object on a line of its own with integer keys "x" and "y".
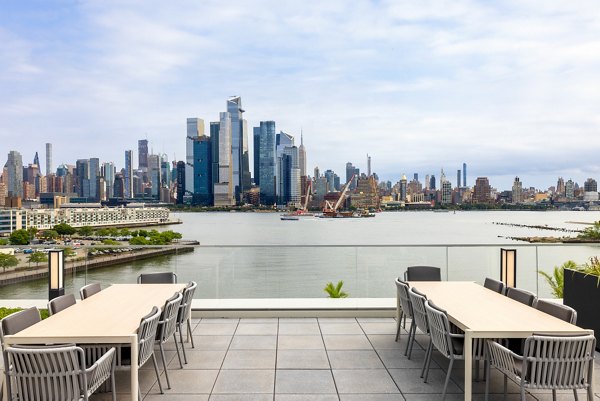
{"x": 468, "y": 364}
{"x": 134, "y": 369}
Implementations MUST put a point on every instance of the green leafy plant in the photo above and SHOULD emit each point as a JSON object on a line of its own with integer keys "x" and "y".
{"x": 592, "y": 268}
{"x": 557, "y": 278}
{"x": 592, "y": 232}
{"x": 7, "y": 261}
{"x": 9, "y": 311}
{"x": 36, "y": 258}
{"x": 335, "y": 291}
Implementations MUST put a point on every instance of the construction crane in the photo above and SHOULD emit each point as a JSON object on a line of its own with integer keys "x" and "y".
{"x": 307, "y": 196}
{"x": 330, "y": 208}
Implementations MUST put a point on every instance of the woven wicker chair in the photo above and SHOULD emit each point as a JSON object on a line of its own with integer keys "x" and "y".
{"x": 57, "y": 373}
{"x": 157, "y": 278}
{"x": 167, "y": 326}
{"x": 404, "y": 307}
{"x": 184, "y": 315}
{"x": 548, "y": 362}
{"x": 449, "y": 344}
{"x": 89, "y": 290}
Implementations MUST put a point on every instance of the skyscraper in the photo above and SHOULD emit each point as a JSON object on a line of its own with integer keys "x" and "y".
{"x": 94, "y": 174}
{"x": 223, "y": 188}
{"x": 154, "y": 175}
{"x": 302, "y": 156}
{"x": 14, "y": 169}
{"x": 239, "y": 147}
{"x": 256, "y": 150}
{"x": 36, "y": 159}
{"x": 458, "y": 178}
{"x": 203, "y": 184}
{"x": 195, "y": 129}
{"x": 283, "y": 166}
{"x": 108, "y": 172}
{"x": 49, "y": 167}
{"x": 128, "y": 179}
{"x": 482, "y": 190}
{"x": 402, "y": 194}
{"x": 352, "y": 171}
{"x": 180, "y": 182}
{"x": 517, "y": 191}
{"x": 464, "y": 174}
{"x": 570, "y": 189}
{"x": 368, "y": 166}
{"x": 143, "y": 155}
{"x": 82, "y": 167}
{"x": 432, "y": 183}
{"x": 267, "y": 162}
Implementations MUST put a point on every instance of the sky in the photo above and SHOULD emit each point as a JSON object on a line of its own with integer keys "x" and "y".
{"x": 512, "y": 88}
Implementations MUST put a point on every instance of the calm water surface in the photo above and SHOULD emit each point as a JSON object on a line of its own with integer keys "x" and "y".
{"x": 296, "y": 258}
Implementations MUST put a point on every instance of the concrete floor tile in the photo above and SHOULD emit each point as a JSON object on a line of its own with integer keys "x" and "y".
{"x": 302, "y": 329}
{"x": 249, "y": 359}
{"x": 359, "y": 381}
{"x": 245, "y": 329}
{"x": 387, "y": 341}
{"x": 304, "y": 382}
{"x": 212, "y": 343}
{"x": 306, "y": 397}
{"x": 410, "y": 382}
{"x": 245, "y": 382}
{"x": 241, "y": 397}
{"x": 188, "y": 382}
{"x": 200, "y": 360}
{"x": 379, "y": 328}
{"x": 302, "y": 359}
{"x": 346, "y": 342}
{"x": 253, "y": 342}
{"x": 371, "y": 397}
{"x": 340, "y": 328}
{"x": 300, "y": 342}
{"x": 348, "y": 359}
{"x": 215, "y": 329}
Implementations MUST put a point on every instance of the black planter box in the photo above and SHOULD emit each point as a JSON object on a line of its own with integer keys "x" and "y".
{"x": 582, "y": 293}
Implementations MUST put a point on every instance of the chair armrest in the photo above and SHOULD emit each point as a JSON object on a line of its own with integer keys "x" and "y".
{"x": 504, "y": 359}
{"x": 455, "y": 335}
{"x": 101, "y": 370}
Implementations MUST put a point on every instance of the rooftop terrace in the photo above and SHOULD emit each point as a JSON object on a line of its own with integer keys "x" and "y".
{"x": 322, "y": 359}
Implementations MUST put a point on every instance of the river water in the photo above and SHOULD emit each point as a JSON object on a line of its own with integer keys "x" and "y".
{"x": 256, "y": 255}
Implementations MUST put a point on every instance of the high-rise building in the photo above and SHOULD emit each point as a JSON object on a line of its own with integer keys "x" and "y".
{"x": 267, "y": 162}
{"x": 283, "y": 166}
{"x": 82, "y": 168}
{"x": 241, "y": 179}
{"x": 223, "y": 189}
{"x": 464, "y": 174}
{"x": 154, "y": 175}
{"x": 317, "y": 172}
{"x": 94, "y": 174}
{"x": 517, "y": 191}
{"x": 143, "y": 155}
{"x": 482, "y": 190}
{"x": 195, "y": 129}
{"x": 560, "y": 186}
{"x": 14, "y": 170}
{"x": 332, "y": 180}
{"x": 203, "y": 185}
{"x": 256, "y": 150}
{"x": 570, "y": 189}
{"x": 446, "y": 191}
{"x": 292, "y": 180}
{"x": 119, "y": 186}
{"x": 49, "y": 167}
{"x": 432, "y": 183}
{"x": 368, "y": 166}
{"x": 214, "y": 140}
{"x": 36, "y": 160}
{"x": 302, "y": 156}
{"x": 458, "y": 178}
{"x": 427, "y": 182}
{"x": 180, "y": 182}
{"x": 590, "y": 190}
{"x": 403, "y": 186}
{"x": 128, "y": 177}
{"x": 108, "y": 172}
{"x": 352, "y": 171}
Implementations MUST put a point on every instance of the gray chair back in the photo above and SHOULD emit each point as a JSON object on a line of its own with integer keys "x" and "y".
{"x": 494, "y": 285}
{"x": 423, "y": 273}
{"x": 12, "y": 324}
{"x": 417, "y": 301}
{"x": 157, "y": 278}
{"x": 560, "y": 362}
{"x": 563, "y": 312}
{"x": 56, "y": 372}
{"x": 147, "y": 335}
{"x": 186, "y": 302}
{"x": 439, "y": 328}
{"x": 168, "y": 318}
{"x": 523, "y": 296}
{"x": 61, "y": 303}
{"x": 89, "y": 290}
{"x": 403, "y": 298}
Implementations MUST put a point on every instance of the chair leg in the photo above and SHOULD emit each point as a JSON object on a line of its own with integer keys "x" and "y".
{"x": 590, "y": 393}
{"x": 427, "y": 368}
{"x": 506, "y": 386}
{"x": 554, "y": 395}
{"x": 181, "y": 341}
{"x": 113, "y": 389}
{"x": 157, "y": 374}
{"x": 523, "y": 393}
{"x": 398, "y": 325}
{"x": 447, "y": 378}
{"x": 190, "y": 334}
{"x": 177, "y": 348}
{"x": 487, "y": 369}
{"x": 427, "y": 358}
{"x": 411, "y": 343}
{"x": 410, "y": 334}
{"x": 575, "y": 394}
{"x": 162, "y": 354}
{"x": 476, "y": 370}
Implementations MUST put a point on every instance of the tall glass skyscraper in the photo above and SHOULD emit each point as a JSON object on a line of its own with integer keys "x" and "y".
{"x": 143, "y": 154}
{"x": 49, "y": 159}
{"x": 195, "y": 129}
{"x": 203, "y": 185}
{"x": 266, "y": 162}
{"x": 240, "y": 162}
{"x": 223, "y": 187}
{"x": 128, "y": 190}
{"x": 14, "y": 166}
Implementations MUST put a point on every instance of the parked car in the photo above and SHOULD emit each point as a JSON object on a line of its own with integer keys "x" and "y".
{"x": 27, "y": 251}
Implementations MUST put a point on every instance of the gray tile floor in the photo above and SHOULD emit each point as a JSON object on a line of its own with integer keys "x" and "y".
{"x": 308, "y": 359}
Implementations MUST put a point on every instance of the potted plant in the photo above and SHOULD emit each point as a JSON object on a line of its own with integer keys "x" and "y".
{"x": 582, "y": 293}
{"x": 335, "y": 291}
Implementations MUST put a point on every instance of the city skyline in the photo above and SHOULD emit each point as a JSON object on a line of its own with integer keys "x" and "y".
{"x": 510, "y": 88}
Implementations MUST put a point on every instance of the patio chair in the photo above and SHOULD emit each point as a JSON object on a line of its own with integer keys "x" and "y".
{"x": 184, "y": 315}
{"x": 563, "y": 312}
{"x": 403, "y": 306}
{"x": 166, "y": 329}
{"x": 548, "y": 362}
{"x": 417, "y": 301}
{"x": 450, "y": 345}
{"x": 157, "y": 278}
{"x": 146, "y": 338}
{"x": 59, "y": 373}
{"x": 89, "y": 290}
{"x": 12, "y": 324}
{"x": 422, "y": 273}
{"x": 494, "y": 285}
{"x": 523, "y": 296}
{"x": 61, "y": 303}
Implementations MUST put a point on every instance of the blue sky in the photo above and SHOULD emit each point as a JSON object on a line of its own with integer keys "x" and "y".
{"x": 509, "y": 87}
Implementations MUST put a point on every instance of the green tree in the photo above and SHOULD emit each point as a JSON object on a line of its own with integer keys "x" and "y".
{"x": 3, "y": 241}
{"x": 49, "y": 234}
{"x": 64, "y": 229}
{"x": 335, "y": 291}
{"x": 69, "y": 252}
{"x": 139, "y": 240}
{"x": 7, "y": 261}
{"x": 103, "y": 232}
{"x": 36, "y": 258}
{"x": 110, "y": 242}
{"x": 32, "y": 232}
{"x": 19, "y": 237}
{"x": 85, "y": 231}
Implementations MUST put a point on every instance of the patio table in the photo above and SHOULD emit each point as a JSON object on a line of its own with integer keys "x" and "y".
{"x": 111, "y": 316}
{"x": 483, "y": 313}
